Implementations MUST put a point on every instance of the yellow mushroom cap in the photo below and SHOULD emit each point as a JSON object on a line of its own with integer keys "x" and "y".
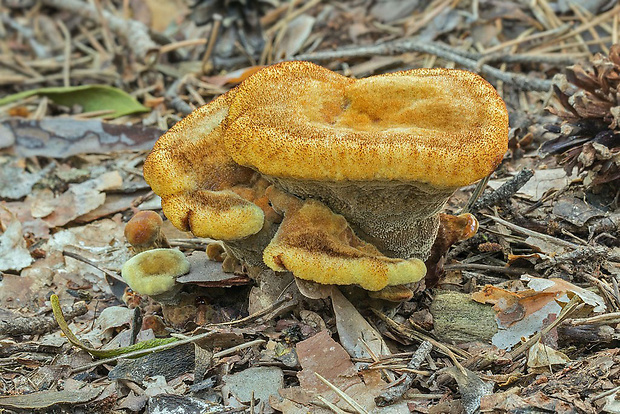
{"x": 143, "y": 231}
{"x": 191, "y": 154}
{"x": 221, "y": 215}
{"x": 444, "y": 127}
{"x": 190, "y": 170}
{"x": 154, "y": 272}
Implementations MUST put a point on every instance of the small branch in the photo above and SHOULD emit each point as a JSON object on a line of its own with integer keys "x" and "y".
{"x": 489, "y": 268}
{"x": 448, "y": 350}
{"x": 579, "y": 254}
{"x": 142, "y": 352}
{"x": 82, "y": 259}
{"x": 505, "y": 191}
{"x": 533, "y": 233}
{"x": 467, "y": 60}
{"x": 178, "y": 104}
{"x": 606, "y": 318}
{"x": 38, "y": 325}
{"x": 393, "y": 394}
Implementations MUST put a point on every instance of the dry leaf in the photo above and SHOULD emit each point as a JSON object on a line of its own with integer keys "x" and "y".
{"x": 13, "y": 252}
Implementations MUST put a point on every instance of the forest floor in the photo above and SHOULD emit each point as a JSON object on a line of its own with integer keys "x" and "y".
{"x": 522, "y": 317}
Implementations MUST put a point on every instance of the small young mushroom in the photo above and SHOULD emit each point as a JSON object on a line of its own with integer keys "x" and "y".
{"x": 360, "y": 169}
{"x": 143, "y": 232}
{"x": 154, "y": 273}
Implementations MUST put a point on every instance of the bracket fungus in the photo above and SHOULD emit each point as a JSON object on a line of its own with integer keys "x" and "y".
{"x": 335, "y": 179}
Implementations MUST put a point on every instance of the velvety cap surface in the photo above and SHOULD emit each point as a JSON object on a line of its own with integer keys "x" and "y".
{"x": 444, "y": 127}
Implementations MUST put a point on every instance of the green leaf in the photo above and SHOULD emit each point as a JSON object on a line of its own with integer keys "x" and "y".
{"x": 90, "y": 97}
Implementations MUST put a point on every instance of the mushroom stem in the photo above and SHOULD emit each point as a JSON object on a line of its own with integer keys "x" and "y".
{"x": 400, "y": 219}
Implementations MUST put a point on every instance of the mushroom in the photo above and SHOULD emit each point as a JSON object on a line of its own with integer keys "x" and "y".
{"x": 386, "y": 151}
{"x": 203, "y": 190}
{"x": 316, "y": 244}
{"x": 143, "y": 232}
{"x": 360, "y": 166}
{"x": 154, "y": 272}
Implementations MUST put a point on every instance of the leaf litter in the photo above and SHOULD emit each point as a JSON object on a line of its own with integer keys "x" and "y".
{"x": 544, "y": 265}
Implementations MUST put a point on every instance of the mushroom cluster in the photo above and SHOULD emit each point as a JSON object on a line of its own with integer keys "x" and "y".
{"x": 337, "y": 180}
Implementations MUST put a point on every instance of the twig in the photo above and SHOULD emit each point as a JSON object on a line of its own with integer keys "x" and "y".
{"x": 581, "y": 253}
{"x": 255, "y": 315}
{"x": 354, "y": 404}
{"x": 11, "y": 349}
{"x": 238, "y": 348}
{"x": 533, "y": 233}
{"x": 136, "y": 33}
{"x": 478, "y": 266}
{"x": 549, "y": 59}
{"x": 37, "y": 325}
{"x": 476, "y": 194}
{"x": 604, "y": 394}
{"x": 447, "y": 350}
{"x": 178, "y": 104}
{"x": 76, "y": 256}
{"x": 66, "y": 67}
{"x": 514, "y": 42}
{"x": 468, "y": 61}
{"x": 215, "y": 30}
{"x": 505, "y": 191}
{"x": 331, "y": 405}
{"x": 393, "y": 394}
{"x": 187, "y": 340}
{"x": 142, "y": 352}
{"x": 606, "y": 318}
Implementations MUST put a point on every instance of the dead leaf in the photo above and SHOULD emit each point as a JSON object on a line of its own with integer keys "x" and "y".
{"x": 471, "y": 387}
{"x": 539, "y": 184}
{"x": 295, "y": 35}
{"x": 541, "y": 357}
{"x": 78, "y": 200}
{"x": 64, "y": 137}
{"x": 353, "y": 329}
{"x": 205, "y": 272}
{"x": 322, "y": 355}
{"x": 13, "y": 252}
{"x": 260, "y": 383}
{"x": 235, "y": 77}
{"x": 15, "y": 181}
{"x": 521, "y": 314}
{"x": 575, "y": 210}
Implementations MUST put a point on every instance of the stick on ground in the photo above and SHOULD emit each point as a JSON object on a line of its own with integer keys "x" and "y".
{"x": 393, "y": 394}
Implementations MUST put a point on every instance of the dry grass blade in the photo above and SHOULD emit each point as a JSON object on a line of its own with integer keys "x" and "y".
{"x": 358, "y": 408}
{"x": 331, "y": 406}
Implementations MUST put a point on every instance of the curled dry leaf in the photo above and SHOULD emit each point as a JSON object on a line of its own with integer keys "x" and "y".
{"x": 521, "y": 314}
